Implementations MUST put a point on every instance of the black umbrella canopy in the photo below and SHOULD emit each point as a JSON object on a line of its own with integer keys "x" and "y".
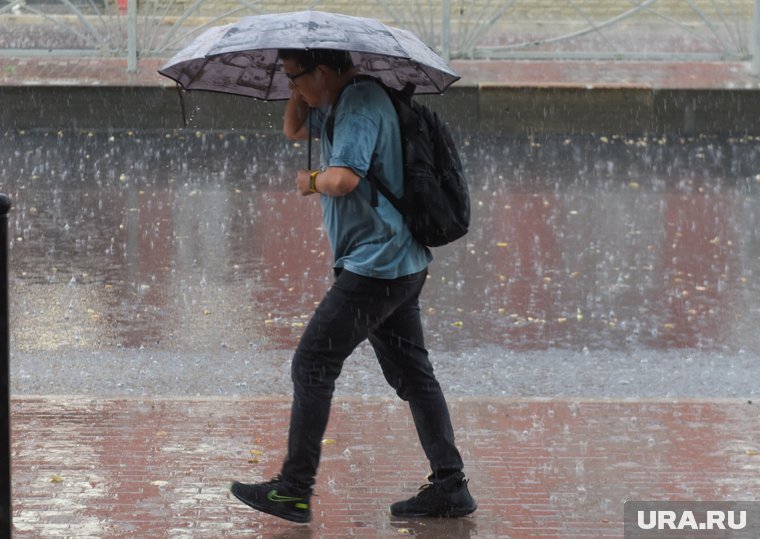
{"x": 241, "y": 58}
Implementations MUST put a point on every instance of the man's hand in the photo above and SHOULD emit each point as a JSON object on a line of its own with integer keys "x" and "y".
{"x": 296, "y": 114}
{"x": 303, "y": 182}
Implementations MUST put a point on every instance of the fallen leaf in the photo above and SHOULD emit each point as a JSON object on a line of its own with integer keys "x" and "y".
{"x": 56, "y": 479}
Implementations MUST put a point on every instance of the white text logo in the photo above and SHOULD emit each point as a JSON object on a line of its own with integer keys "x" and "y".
{"x": 686, "y": 520}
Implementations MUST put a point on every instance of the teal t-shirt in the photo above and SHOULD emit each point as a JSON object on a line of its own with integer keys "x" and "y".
{"x": 369, "y": 241}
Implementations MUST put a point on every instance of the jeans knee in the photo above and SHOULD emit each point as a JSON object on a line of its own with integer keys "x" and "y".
{"x": 420, "y": 390}
{"x": 312, "y": 377}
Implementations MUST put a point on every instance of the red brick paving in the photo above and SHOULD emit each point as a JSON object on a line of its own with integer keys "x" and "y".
{"x": 154, "y": 468}
{"x": 629, "y": 74}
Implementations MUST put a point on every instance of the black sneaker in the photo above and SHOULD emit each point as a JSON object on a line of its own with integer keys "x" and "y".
{"x": 440, "y": 498}
{"x": 276, "y": 498}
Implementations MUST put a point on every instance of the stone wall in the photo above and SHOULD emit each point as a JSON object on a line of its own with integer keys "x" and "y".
{"x": 488, "y": 110}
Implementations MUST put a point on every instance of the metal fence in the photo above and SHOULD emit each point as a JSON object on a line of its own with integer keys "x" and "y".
{"x": 5, "y": 386}
{"x": 697, "y": 30}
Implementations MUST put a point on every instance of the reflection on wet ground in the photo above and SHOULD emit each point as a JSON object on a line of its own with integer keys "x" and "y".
{"x": 196, "y": 240}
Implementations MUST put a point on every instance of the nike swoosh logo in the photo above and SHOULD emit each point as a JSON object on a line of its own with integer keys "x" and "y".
{"x": 274, "y": 497}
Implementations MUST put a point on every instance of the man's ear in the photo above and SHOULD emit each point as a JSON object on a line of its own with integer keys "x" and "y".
{"x": 323, "y": 72}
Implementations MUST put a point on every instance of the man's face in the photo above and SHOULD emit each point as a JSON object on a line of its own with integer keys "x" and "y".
{"x": 308, "y": 82}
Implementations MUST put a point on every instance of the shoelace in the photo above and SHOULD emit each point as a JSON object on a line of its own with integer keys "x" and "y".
{"x": 426, "y": 490}
{"x": 278, "y": 480}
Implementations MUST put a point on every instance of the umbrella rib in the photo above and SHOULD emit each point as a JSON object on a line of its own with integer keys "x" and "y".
{"x": 206, "y": 60}
{"x": 180, "y": 91}
{"x": 422, "y": 68}
{"x": 271, "y": 81}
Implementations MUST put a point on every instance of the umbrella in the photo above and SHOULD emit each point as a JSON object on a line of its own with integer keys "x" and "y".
{"x": 241, "y": 58}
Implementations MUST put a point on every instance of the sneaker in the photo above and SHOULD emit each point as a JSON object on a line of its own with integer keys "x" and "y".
{"x": 276, "y": 498}
{"x": 440, "y": 498}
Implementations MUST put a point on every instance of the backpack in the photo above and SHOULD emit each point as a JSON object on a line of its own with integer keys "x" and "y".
{"x": 436, "y": 201}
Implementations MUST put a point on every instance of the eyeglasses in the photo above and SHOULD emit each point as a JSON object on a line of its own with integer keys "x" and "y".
{"x": 292, "y": 78}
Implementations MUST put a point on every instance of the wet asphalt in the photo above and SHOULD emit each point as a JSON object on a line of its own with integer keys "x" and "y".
{"x": 183, "y": 263}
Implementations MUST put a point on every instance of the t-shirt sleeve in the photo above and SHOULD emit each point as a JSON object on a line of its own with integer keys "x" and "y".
{"x": 354, "y": 139}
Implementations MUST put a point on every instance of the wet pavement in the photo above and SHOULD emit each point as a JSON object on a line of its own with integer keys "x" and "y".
{"x": 92, "y": 468}
{"x": 595, "y": 332}
{"x": 184, "y": 261}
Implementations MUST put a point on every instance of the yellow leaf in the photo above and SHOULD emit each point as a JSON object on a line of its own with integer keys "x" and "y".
{"x": 256, "y": 452}
{"x": 458, "y": 324}
{"x": 329, "y": 441}
{"x": 502, "y": 244}
{"x": 56, "y": 479}
{"x": 752, "y": 452}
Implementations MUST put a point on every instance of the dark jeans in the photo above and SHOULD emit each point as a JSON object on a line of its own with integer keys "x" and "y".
{"x": 388, "y": 313}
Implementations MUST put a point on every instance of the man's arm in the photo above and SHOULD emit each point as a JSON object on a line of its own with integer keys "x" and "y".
{"x": 295, "y": 123}
{"x": 334, "y": 181}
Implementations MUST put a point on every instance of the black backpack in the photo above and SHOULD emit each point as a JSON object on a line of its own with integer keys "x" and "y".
{"x": 436, "y": 201}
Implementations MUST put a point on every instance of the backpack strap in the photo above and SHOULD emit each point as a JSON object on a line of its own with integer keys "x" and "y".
{"x": 378, "y": 185}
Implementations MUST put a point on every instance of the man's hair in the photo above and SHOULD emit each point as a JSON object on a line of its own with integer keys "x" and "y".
{"x": 337, "y": 60}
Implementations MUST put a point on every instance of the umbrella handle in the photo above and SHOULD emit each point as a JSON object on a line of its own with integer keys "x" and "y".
{"x": 308, "y": 144}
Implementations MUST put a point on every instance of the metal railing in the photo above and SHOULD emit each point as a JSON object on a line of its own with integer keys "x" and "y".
{"x": 5, "y": 403}
{"x": 708, "y": 30}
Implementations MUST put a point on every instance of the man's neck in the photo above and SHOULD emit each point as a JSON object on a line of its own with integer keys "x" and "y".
{"x": 340, "y": 82}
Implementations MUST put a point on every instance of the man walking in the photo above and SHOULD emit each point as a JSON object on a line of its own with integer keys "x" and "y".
{"x": 379, "y": 273}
